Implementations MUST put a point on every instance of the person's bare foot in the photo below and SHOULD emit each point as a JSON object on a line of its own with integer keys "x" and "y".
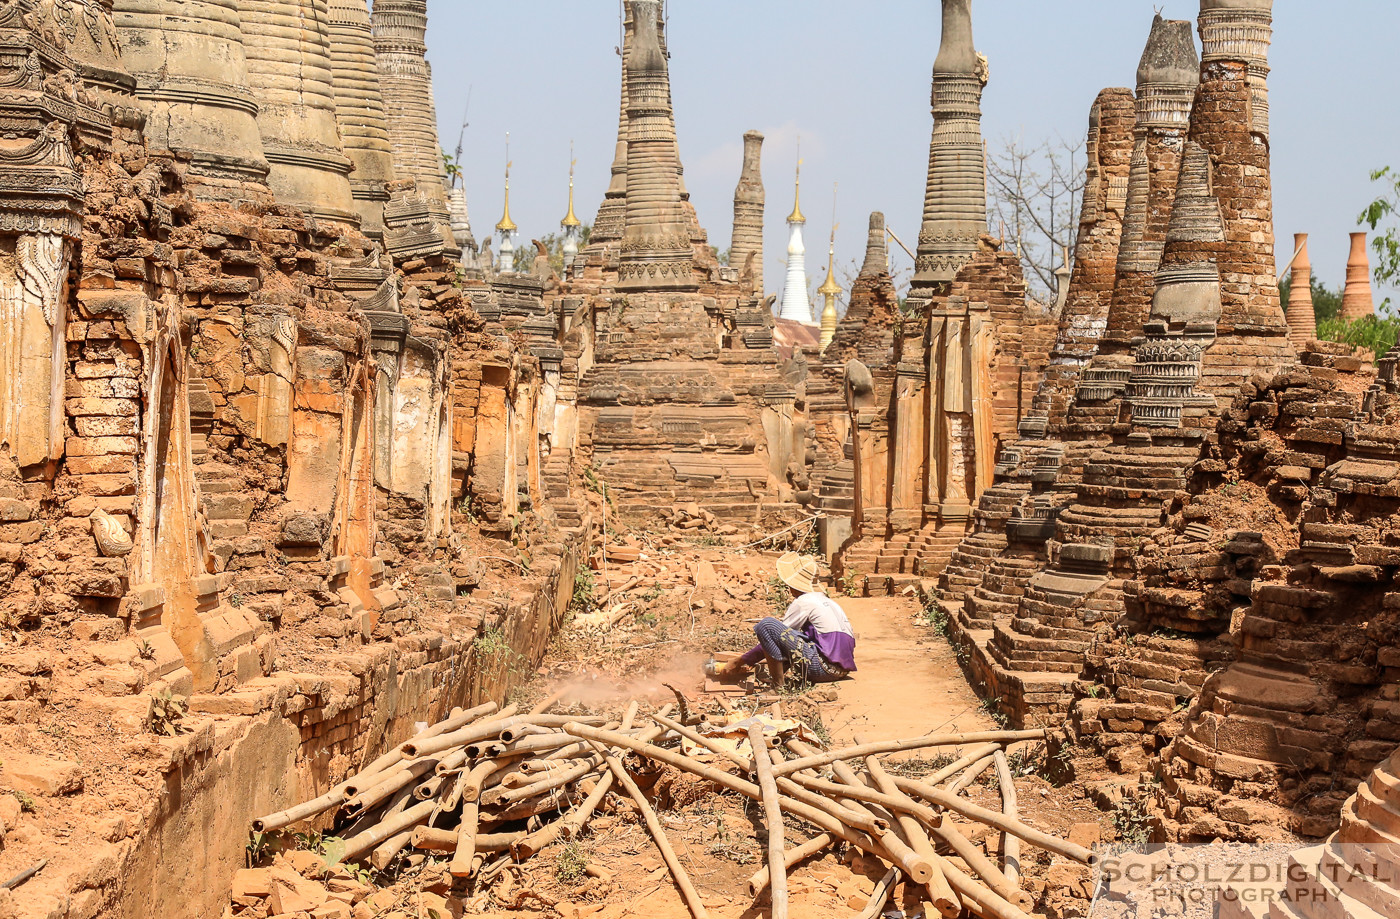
{"x": 776, "y": 675}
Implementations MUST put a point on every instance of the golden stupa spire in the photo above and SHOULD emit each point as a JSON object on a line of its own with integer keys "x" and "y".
{"x": 830, "y": 290}
{"x": 797, "y": 191}
{"x": 830, "y": 286}
{"x": 570, "y": 220}
{"x": 507, "y": 225}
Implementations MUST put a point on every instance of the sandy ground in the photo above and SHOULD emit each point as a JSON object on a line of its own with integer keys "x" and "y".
{"x": 907, "y": 684}
{"x": 689, "y": 600}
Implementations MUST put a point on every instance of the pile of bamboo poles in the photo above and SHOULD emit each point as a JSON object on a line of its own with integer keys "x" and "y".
{"x": 493, "y": 787}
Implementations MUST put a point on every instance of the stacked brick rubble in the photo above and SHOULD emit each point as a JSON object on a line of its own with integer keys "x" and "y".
{"x": 239, "y": 444}
{"x": 1283, "y": 734}
{"x": 1214, "y": 319}
{"x": 1355, "y": 874}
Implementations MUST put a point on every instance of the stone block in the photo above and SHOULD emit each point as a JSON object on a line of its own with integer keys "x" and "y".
{"x": 38, "y": 775}
{"x": 302, "y": 530}
{"x": 13, "y": 511}
{"x": 292, "y": 893}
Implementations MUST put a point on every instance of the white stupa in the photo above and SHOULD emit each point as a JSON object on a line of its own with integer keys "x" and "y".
{"x": 505, "y": 261}
{"x": 796, "y": 304}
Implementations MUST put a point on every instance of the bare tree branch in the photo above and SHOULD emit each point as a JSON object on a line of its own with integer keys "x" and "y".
{"x": 1034, "y": 193}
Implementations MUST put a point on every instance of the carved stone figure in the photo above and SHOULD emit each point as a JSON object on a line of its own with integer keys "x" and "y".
{"x": 112, "y": 538}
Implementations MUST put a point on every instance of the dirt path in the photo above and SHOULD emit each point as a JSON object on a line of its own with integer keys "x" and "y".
{"x": 908, "y": 682}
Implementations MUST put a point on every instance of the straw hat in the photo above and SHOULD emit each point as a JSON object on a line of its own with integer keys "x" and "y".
{"x": 798, "y": 572}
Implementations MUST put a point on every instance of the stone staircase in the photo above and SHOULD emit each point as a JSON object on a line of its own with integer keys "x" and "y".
{"x": 999, "y": 594}
{"x": 556, "y": 477}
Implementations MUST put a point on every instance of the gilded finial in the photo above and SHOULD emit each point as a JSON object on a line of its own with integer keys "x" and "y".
{"x": 570, "y": 220}
{"x": 507, "y": 225}
{"x": 797, "y": 194}
{"x": 830, "y": 288}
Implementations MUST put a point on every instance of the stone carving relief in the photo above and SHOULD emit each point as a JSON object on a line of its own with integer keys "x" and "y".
{"x": 31, "y": 357}
{"x": 113, "y": 541}
{"x": 275, "y": 403}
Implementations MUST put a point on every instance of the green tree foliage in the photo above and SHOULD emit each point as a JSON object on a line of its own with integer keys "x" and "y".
{"x": 554, "y": 245}
{"x": 452, "y": 168}
{"x": 1373, "y": 333}
{"x": 1383, "y": 217}
{"x": 1327, "y": 302}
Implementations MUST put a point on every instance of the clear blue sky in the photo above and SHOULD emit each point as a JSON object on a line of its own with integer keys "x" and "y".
{"x": 852, "y": 79}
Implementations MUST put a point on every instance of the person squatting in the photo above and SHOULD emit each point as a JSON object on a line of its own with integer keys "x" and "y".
{"x": 813, "y": 639}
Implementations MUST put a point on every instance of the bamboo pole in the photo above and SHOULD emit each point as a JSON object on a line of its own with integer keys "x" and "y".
{"x": 505, "y": 729}
{"x": 773, "y": 817}
{"x": 431, "y": 839}
{"x": 658, "y": 833}
{"x": 303, "y": 811}
{"x": 358, "y": 845}
{"x": 762, "y": 876}
{"x": 940, "y": 894}
{"x": 1000, "y": 821}
{"x": 477, "y": 730}
{"x": 571, "y": 824}
{"x": 881, "y": 896}
{"x": 461, "y": 866}
{"x": 971, "y": 774}
{"x": 959, "y": 765}
{"x": 367, "y": 776}
{"x": 986, "y": 869}
{"x": 820, "y": 817}
{"x": 981, "y": 901}
{"x": 858, "y": 818}
{"x": 852, "y": 789}
{"x": 1010, "y": 845}
{"x": 365, "y": 801}
{"x": 914, "y": 743}
{"x": 385, "y": 853}
{"x": 470, "y": 784}
{"x": 548, "y": 701}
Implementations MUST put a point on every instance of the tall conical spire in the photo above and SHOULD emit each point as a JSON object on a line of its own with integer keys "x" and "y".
{"x": 1242, "y": 30}
{"x": 1302, "y": 319}
{"x": 506, "y": 227}
{"x": 1167, "y": 77}
{"x": 359, "y": 111}
{"x": 400, "y": 28}
{"x": 611, "y": 219}
{"x": 877, "y": 256}
{"x": 656, "y": 249}
{"x": 797, "y": 304}
{"x": 1357, "y": 299}
{"x": 749, "y": 196}
{"x": 955, "y": 199}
